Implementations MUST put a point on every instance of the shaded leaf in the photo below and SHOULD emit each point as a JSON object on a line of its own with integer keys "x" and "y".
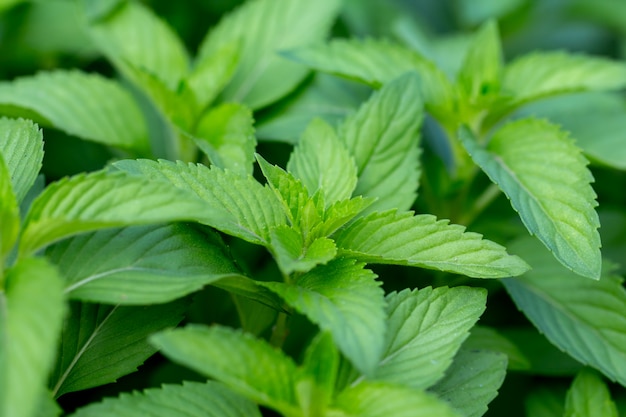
{"x": 31, "y": 314}
{"x": 589, "y": 396}
{"x": 487, "y": 338}
{"x": 422, "y": 240}
{"x": 102, "y": 343}
{"x": 248, "y": 365}
{"x": 545, "y": 402}
{"x": 262, "y": 76}
{"x": 88, "y": 106}
{"x": 250, "y": 288}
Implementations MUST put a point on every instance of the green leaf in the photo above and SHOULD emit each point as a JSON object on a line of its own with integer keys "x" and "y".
{"x": 589, "y": 396}
{"x": 378, "y": 399}
{"x": 472, "y": 381}
{"x": 236, "y": 205}
{"x": 9, "y": 214}
{"x": 211, "y": 74}
{"x": 291, "y": 254}
{"x": 21, "y": 147}
{"x": 103, "y": 343}
{"x": 193, "y": 399}
{"x": 322, "y": 163}
{"x": 425, "y": 329}
{"x": 88, "y": 106}
{"x": 31, "y": 314}
{"x": 141, "y": 264}
{"x": 545, "y": 176}
{"x": 580, "y": 316}
{"x": 260, "y": 27}
{"x": 249, "y": 288}
{"x": 383, "y": 137}
{"x": 129, "y": 36}
{"x": 247, "y": 365}
{"x": 481, "y": 70}
{"x": 424, "y": 241}
{"x": 487, "y": 338}
{"x": 345, "y": 299}
{"x": 541, "y": 74}
{"x": 96, "y": 10}
{"x": 99, "y": 200}
{"x": 226, "y": 135}
{"x": 377, "y": 62}
{"x": 545, "y": 402}
{"x": 474, "y": 12}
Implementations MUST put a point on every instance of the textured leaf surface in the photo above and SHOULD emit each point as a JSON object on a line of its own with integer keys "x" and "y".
{"x": 377, "y": 62}
{"x": 585, "y": 318}
{"x": 545, "y": 177}
{"x": 31, "y": 313}
{"x": 236, "y": 205}
{"x": 422, "y": 240}
{"x": 345, "y": 299}
{"x": 472, "y": 381}
{"x": 292, "y": 255}
{"x": 88, "y": 106}
{"x": 140, "y": 265}
{"x": 9, "y": 213}
{"x": 129, "y": 36}
{"x": 589, "y": 396}
{"x": 377, "y": 399}
{"x": 383, "y": 138}
{"x": 21, "y": 147}
{"x": 192, "y": 399}
{"x": 102, "y": 343}
{"x": 98, "y": 200}
{"x": 322, "y": 163}
{"x": 262, "y": 76}
{"x": 541, "y": 74}
{"x": 425, "y": 329}
{"x": 250, "y": 288}
{"x": 247, "y": 365}
{"x": 226, "y": 134}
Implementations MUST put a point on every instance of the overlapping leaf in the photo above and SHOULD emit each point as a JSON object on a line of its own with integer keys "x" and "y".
{"x": 99, "y": 200}
{"x": 260, "y": 26}
{"x": 192, "y": 399}
{"x": 21, "y": 147}
{"x": 88, "y": 106}
{"x": 316, "y": 385}
{"x": 425, "y": 329}
{"x": 421, "y": 240}
{"x": 233, "y": 203}
{"x": 293, "y": 254}
{"x": 103, "y": 343}
{"x": 383, "y": 138}
{"x": 345, "y": 299}
{"x": 545, "y": 176}
{"x": 487, "y": 338}
{"x": 30, "y": 321}
{"x": 589, "y": 396}
{"x": 247, "y": 365}
{"x": 140, "y": 265}
{"x": 585, "y": 318}
{"x": 472, "y": 381}
{"x": 9, "y": 212}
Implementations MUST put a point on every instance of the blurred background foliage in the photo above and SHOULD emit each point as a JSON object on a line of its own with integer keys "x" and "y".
{"x": 50, "y": 34}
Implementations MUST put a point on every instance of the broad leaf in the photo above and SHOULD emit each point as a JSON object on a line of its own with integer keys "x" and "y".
{"x": 140, "y": 265}
{"x": 425, "y": 329}
{"x": 540, "y": 74}
{"x": 345, "y": 299}
{"x": 589, "y": 396}
{"x": 99, "y": 200}
{"x": 262, "y": 76}
{"x": 422, "y": 240}
{"x": 377, "y": 62}
{"x": 292, "y": 254}
{"x": 226, "y": 134}
{"x": 234, "y": 204}
{"x": 9, "y": 213}
{"x": 383, "y": 138}
{"x": 103, "y": 343}
{"x": 130, "y": 35}
{"x": 31, "y": 313}
{"x": 88, "y": 106}
{"x": 580, "y": 316}
{"x": 248, "y": 365}
{"x": 472, "y": 381}
{"x": 378, "y": 399}
{"x": 21, "y": 147}
{"x": 487, "y": 338}
{"x": 193, "y": 399}
{"x": 546, "y": 178}
{"x": 322, "y": 163}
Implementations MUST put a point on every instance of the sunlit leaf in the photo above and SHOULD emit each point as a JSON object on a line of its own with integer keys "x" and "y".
{"x": 292, "y": 254}
{"x": 589, "y": 396}
{"x": 9, "y": 213}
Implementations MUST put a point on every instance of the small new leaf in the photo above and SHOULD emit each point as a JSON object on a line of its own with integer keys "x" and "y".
{"x": 292, "y": 254}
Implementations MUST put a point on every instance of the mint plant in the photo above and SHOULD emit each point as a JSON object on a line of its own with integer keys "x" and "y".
{"x": 344, "y": 278}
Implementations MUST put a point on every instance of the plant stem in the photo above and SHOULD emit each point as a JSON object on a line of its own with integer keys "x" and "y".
{"x": 279, "y": 331}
